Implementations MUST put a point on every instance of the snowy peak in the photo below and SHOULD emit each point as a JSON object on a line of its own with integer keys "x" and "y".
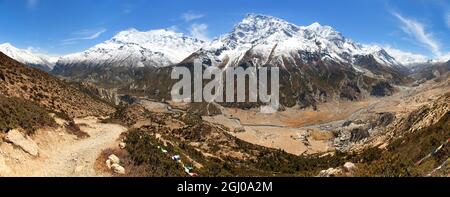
{"x": 133, "y": 48}
{"x": 324, "y": 31}
{"x": 256, "y": 27}
{"x": 159, "y": 38}
{"x": 40, "y": 61}
{"x": 261, "y": 34}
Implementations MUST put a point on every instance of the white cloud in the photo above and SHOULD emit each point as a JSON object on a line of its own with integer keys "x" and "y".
{"x": 31, "y": 4}
{"x": 417, "y": 30}
{"x": 84, "y": 35}
{"x": 444, "y": 58}
{"x": 405, "y": 57}
{"x": 190, "y": 16}
{"x": 199, "y": 31}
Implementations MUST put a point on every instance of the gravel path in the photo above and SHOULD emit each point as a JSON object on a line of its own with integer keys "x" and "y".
{"x": 78, "y": 157}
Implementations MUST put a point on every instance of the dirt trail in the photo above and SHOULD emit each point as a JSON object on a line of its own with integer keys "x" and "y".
{"x": 76, "y": 157}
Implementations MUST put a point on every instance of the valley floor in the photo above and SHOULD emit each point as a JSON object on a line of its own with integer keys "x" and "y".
{"x": 308, "y": 131}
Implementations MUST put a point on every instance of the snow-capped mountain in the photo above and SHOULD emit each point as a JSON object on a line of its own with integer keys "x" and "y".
{"x": 133, "y": 48}
{"x": 406, "y": 58}
{"x": 40, "y": 61}
{"x": 318, "y": 63}
{"x": 267, "y": 37}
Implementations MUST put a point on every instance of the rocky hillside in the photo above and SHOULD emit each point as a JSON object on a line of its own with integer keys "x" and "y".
{"x": 19, "y": 113}
{"x": 427, "y": 71}
{"x": 205, "y": 149}
{"x": 417, "y": 145}
{"x": 17, "y": 80}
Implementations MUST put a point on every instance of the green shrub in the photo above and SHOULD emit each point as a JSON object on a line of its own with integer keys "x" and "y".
{"x": 16, "y": 112}
{"x": 143, "y": 150}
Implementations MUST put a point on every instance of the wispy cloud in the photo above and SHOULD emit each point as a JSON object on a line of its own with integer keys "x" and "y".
{"x": 31, "y": 4}
{"x": 190, "y": 16}
{"x": 417, "y": 31}
{"x": 199, "y": 31}
{"x": 83, "y": 35}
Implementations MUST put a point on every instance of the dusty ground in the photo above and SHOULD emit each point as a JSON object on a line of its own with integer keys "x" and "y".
{"x": 287, "y": 139}
{"x": 62, "y": 154}
{"x": 295, "y": 117}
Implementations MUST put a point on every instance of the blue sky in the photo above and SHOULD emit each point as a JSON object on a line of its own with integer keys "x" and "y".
{"x": 66, "y": 26}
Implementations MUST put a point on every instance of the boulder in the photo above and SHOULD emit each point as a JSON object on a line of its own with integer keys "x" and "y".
{"x": 108, "y": 164}
{"x": 122, "y": 145}
{"x": 349, "y": 167}
{"x": 114, "y": 159}
{"x": 118, "y": 169}
{"x": 16, "y": 138}
{"x": 331, "y": 172}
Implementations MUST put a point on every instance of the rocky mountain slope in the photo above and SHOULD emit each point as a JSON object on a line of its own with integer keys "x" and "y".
{"x": 43, "y": 62}
{"x": 30, "y": 84}
{"x": 427, "y": 71}
{"x": 318, "y": 64}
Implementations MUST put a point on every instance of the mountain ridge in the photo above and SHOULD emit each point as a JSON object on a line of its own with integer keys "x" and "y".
{"x": 43, "y": 62}
{"x": 133, "y": 48}
{"x": 260, "y": 32}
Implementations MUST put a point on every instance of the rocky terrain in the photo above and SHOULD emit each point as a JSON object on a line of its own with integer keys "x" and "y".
{"x": 41, "y": 115}
{"x": 39, "y": 87}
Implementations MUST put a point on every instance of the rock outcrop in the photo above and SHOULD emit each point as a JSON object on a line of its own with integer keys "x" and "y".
{"x": 113, "y": 163}
{"x": 18, "y": 139}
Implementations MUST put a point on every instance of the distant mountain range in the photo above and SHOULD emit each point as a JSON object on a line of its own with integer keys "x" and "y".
{"x": 132, "y": 48}
{"x": 159, "y": 48}
{"x": 43, "y": 62}
{"x": 261, "y": 33}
